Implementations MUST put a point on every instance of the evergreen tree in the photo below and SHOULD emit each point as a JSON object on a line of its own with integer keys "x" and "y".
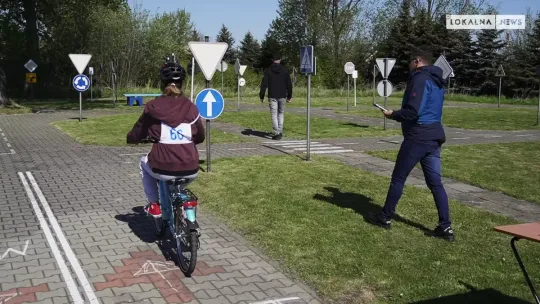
{"x": 226, "y": 36}
{"x": 269, "y": 46}
{"x": 488, "y": 59}
{"x": 400, "y": 43}
{"x": 250, "y": 50}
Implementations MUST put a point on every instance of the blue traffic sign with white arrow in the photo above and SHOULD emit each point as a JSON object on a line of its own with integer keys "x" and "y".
{"x": 81, "y": 83}
{"x": 210, "y": 103}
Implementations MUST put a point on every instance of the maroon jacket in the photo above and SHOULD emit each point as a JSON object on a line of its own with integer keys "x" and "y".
{"x": 176, "y": 127}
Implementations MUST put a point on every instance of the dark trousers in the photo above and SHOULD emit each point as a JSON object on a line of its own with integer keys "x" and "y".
{"x": 429, "y": 156}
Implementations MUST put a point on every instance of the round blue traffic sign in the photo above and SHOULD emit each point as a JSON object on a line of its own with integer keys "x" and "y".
{"x": 81, "y": 83}
{"x": 210, "y": 103}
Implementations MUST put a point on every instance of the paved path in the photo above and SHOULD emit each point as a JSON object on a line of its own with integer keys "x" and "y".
{"x": 72, "y": 225}
{"x": 72, "y": 228}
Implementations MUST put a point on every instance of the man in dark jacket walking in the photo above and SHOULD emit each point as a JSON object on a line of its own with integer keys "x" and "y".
{"x": 278, "y": 81}
{"x": 420, "y": 116}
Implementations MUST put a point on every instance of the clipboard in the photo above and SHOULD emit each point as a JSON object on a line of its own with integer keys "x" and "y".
{"x": 378, "y": 106}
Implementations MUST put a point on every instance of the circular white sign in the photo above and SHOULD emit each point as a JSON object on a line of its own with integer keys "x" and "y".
{"x": 349, "y": 67}
{"x": 380, "y": 88}
{"x": 242, "y": 82}
{"x": 224, "y": 66}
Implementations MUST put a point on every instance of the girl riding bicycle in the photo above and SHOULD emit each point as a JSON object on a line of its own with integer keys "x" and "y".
{"x": 173, "y": 124}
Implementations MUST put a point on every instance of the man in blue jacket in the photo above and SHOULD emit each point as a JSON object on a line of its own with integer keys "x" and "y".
{"x": 420, "y": 117}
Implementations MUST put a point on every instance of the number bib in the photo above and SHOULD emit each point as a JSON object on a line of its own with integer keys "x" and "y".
{"x": 176, "y": 136}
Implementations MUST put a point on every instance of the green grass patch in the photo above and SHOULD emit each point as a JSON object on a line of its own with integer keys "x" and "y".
{"x": 511, "y": 168}
{"x": 474, "y": 118}
{"x": 314, "y": 226}
{"x": 295, "y": 125}
{"x": 112, "y": 130}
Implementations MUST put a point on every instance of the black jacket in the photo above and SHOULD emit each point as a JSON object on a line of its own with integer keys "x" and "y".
{"x": 278, "y": 81}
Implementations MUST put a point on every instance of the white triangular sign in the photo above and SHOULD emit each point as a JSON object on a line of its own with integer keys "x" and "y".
{"x": 208, "y": 55}
{"x": 242, "y": 69}
{"x": 306, "y": 63}
{"x": 80, "y": 61}
{"x": 500, "y": 71}
{"x": 390, "y": 65}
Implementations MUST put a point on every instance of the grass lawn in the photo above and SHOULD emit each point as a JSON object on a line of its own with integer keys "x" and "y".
{"x": 474, "y": 118}
{"x": 512, "y": 168}
{"x": 112, "y": 130}
{"x": 314, "y": 226}
{"x": 295, "y": 125}
{"x": 327, "y": 102}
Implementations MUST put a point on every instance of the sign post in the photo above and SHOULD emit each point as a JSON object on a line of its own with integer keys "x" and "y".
{"x": 349, "y": 68}
{"x": 307, "y": 63}
{"x": 31, "y": 77}
{"x": 500, "y": 73}
{"x": 91, "y": 73}
{"x": 239, "y": 69}
{"x": 81, "y": 82}
{"x": 354, "y": 76}
{"x": 208, "y": 55}
{"x": 374, "y": 75}
{"x": 222, "y": 68}
{"x": 538, "y": 74}
{"x": 385, "y": 66}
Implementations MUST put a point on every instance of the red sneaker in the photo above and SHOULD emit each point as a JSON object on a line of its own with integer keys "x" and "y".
{"x": 153, "y": 209}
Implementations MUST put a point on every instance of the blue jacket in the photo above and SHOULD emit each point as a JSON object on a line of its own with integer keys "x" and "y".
{"x": 421, "y": 109}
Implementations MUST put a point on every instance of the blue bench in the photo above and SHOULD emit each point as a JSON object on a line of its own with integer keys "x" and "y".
{"x": 132, "y": 98}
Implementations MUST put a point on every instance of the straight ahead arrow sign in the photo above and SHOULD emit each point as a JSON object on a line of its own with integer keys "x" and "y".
{"x": 209, "y": 99}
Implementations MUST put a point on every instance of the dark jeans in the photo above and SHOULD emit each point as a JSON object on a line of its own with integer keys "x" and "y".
{"x": 429, "y": 156}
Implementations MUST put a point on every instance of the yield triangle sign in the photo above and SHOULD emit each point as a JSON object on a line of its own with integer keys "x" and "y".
{"x": 242, "y": 69}
{"x": 208, "y": 55}
{"x": 500, "y": 71}
{"x": 388, "y": 62}
{"x": 80, "y": 61}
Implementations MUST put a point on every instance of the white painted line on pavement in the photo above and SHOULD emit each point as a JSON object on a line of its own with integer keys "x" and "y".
{"x": 318, "y": 148}
{"x": 299, "y": 146}
{"x": 461, "y": 138}
{"x": 63, "y": 241}
{"x": 10, "y": 153}
{"x": 284, "y": 142}
{"x": 72, "y": 287}
{"x": 525, "y": 135}
{"x": 242, "y": 149}
{"x": 348, "y": 143}
{"x": 276, "y": 301}
{"x": 130, "y": 154}
{"x": 329, "y": 151}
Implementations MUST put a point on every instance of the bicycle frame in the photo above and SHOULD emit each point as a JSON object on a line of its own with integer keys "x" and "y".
{"x": 167, "y": 210}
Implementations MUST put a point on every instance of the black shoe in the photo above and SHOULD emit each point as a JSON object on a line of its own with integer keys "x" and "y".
{"x": 378, "y": 220}
{"x": 446, "y": 234}
{"x": 277, "y": 137}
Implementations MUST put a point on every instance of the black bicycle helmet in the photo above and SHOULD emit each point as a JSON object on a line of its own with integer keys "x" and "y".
{"x": 171, "y": 71}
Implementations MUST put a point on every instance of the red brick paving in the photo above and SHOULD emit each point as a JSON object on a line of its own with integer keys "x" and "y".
{"x": 125, "y": 276}
{"x": 23, "y": 294}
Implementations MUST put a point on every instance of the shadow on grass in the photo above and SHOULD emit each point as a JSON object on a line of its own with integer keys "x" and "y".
{"x": 251, "y": 132}
{"x": 352, "y": 124}
{"x": 142, "y": 226}
{"x": 487, "y": 296}
{"x": 362, "y": 205}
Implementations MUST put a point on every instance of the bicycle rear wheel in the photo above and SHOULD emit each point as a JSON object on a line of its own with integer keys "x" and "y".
{"x": 186, "y": 245}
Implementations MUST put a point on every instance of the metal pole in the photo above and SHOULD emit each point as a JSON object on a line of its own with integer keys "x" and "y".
{"x": 525, "y": 274}
{"x": 385, "y": 98}
{"x": 538, "y": 117}
{"x": 500, "y": 83}
{"x": 91, "y": 89}
{"x": 192, "y": 76}
{"x": 348, "y": 85}
{"x": 238, "y": 85}
{"x": 80, "y": 106}
{"x": 208, "y": 166}
{"x": 374, "y": 71}
{"x": 355, "y": 91}
{"x": 308, "y": 115}
{"x": 222, "y": 78}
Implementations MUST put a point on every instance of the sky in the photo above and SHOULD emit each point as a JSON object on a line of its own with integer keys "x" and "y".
{"x": 256, "y": 15}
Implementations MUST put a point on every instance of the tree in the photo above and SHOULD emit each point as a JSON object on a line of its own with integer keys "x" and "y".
{"x": 3, "y": 89}
{"x": 269, "y": 47}
{"x": 250, "y": 51}
{"x": 226, "y": 36}
{"x": 488, "y": 59}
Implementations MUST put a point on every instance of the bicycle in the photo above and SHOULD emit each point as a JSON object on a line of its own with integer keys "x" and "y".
{"x": 179, "y": 213}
